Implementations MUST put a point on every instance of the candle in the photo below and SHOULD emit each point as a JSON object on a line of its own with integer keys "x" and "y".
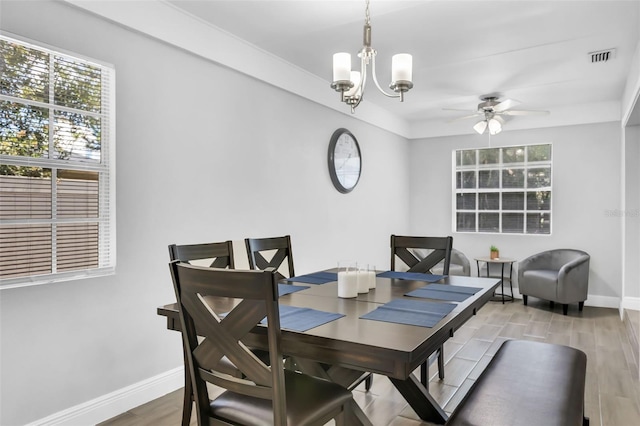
{"x": 363, "y": 281}
{"x": 341, "y": 66}
{"x": 401, "y": 67}
{"x": 347, "y": 284}
{"x": 371, "y": 278}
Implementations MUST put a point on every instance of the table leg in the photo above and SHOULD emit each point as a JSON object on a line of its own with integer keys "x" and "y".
{"x": 340, "y": 375}
{"x": 511, "y": 279}
{"x": 502, "y": 283}
{"x": 420, "y": 400}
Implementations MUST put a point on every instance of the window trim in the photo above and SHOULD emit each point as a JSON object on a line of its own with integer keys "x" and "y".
{"x": 500, "y": 166}
{"x": 108, "y": 156}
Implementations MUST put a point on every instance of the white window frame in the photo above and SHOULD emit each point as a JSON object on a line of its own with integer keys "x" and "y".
{"x": 106, "y": 168}
{"x": 499, "y": 166}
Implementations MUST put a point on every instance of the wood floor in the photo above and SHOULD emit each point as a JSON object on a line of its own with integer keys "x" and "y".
{"x": 612, "y": 392}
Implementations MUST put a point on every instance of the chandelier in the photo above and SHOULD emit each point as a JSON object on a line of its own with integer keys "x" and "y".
{"x": 351, "y": 84}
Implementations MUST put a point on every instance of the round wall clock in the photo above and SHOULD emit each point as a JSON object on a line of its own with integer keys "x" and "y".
{"x": 345, "y": 162}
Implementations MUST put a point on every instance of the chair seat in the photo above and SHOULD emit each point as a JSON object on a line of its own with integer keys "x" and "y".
{"x": 308, "y": 399}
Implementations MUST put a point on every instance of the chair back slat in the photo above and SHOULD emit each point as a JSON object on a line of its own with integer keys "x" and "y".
{"x": 220, "y": 254}
{"x": 256, "y": 247}
{"x": 440, "y": 251}
{"x": 221, "y": 333}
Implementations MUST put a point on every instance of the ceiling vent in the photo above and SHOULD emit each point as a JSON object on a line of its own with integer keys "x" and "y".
{"x": 602, "y": 55}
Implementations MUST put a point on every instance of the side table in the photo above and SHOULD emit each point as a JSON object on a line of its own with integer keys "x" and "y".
{"x": 500, "y": 261}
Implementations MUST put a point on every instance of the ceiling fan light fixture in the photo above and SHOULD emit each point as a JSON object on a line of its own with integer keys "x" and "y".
{"x": 480, "y": 126}
{"x": 495, "y": 126}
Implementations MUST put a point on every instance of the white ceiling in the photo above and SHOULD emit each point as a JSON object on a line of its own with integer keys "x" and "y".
{"x": 535, "y": 52}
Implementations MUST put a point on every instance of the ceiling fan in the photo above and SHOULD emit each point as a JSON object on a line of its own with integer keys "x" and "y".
{"x": 490, "y": 112}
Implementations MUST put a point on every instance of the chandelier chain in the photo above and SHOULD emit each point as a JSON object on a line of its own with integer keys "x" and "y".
{"x": 367, "y": 16}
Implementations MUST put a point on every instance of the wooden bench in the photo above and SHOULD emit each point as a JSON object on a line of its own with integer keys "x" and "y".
{"x": 527, "y": 383}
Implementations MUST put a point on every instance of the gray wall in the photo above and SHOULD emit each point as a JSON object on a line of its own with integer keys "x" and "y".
{"x": 203, "y": 154}
{"x": 632, "y": 211}
{"x": 586, "y": 185}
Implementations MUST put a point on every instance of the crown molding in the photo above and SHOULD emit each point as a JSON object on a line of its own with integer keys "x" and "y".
{"x": 163, "y": 21}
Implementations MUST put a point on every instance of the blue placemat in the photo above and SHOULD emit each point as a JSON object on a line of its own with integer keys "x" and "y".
{"x": 446, "y": 292}
{"x": 454, "y": 288}
{"x": 315, "y": 278}
{"x": 303, "y": 319}
{"x": 284, "y": 289}
{"x": 411, "y": 312}
{"x": 414, "y": 276}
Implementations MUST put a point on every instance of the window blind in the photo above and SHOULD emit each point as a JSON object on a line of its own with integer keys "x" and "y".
{"x": 503, "y": 190}
{"x": 56, "y": 165}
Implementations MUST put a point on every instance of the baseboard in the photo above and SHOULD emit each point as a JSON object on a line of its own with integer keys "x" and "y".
{"x": 632, "y": 303}
{"x": 592, "y": 300}
{"x": 602, "y": 301}
{"x": 117, "y": 402}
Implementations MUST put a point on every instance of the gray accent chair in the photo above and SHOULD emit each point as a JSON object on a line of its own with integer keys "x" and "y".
{"x": 459, "y": 265}
{"x": 560, "y": 275}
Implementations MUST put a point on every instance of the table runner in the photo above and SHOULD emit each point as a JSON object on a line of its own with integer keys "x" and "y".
{"x": 411, "y": 312}
{"x": 414, "y": 276}
{"x": 284, "y": 289}
{"x": 303, "y": 319}
{"x": 315, "y": 278}
{"x": 451, "y": 293}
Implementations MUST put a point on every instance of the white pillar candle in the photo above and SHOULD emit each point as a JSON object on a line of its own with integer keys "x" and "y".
{"x": 401, "y": 67}
{"x": 341, "y": 66}
{"x": 371, "y": 278}
{"x": 347, "y": 284}
{"x": 363, "y": 281}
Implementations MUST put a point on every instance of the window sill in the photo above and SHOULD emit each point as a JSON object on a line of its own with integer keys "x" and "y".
{"x": 9, "y": 283}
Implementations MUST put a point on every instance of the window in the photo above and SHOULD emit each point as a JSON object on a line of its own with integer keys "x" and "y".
{"x": 57, "y": 186}
{"x": 503, "y": 190}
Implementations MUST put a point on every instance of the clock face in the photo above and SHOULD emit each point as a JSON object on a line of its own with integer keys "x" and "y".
{"x": 345, "y": 163}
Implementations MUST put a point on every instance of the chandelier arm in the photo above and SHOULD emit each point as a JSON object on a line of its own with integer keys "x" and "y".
{"x": 375, "y": 79}
{"x": 363, "y": 75}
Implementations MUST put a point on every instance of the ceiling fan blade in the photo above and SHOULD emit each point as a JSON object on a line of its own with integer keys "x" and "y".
{"x": 505, "y": 105}
{"x": 476, "y": 115}
{"x": 524, "y": 112}
{"x": 458, "y": 109}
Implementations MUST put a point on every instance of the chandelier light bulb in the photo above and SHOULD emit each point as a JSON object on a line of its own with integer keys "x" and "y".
{"x": 341, "y": 66}
{"x": 356, "y": 90}
{"x": 401, "y": 67}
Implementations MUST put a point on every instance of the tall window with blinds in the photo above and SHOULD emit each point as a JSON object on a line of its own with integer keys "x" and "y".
{"x": 503, "y": 190}
{"x": 56, "y": 165}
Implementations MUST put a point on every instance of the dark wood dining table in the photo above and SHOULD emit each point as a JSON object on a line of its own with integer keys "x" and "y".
{"x": 343, "y": 349}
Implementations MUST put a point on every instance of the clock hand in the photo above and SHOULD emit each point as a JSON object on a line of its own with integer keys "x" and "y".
{"x": 345, "y": 160}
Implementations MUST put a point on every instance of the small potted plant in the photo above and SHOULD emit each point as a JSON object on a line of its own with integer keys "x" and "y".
{"x": 495, "y": 253}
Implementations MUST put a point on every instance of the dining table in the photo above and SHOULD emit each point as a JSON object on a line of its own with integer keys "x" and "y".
{"x": 342, "y": 350}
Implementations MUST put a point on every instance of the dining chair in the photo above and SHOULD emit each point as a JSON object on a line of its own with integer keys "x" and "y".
{"x": 266, "y": 394}
{"x": 213, "y": 255}
{"x": 258, "y": 248}
{"x": 421, "y": 254}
